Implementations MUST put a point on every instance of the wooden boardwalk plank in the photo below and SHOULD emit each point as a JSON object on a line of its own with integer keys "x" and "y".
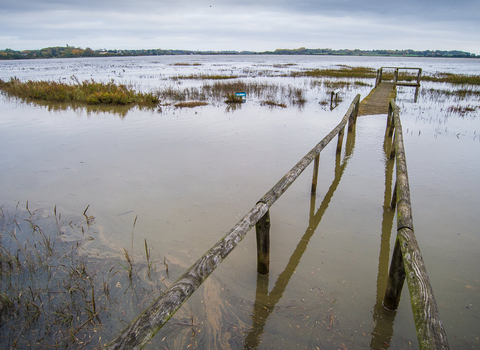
{"x": 377, "y": 100}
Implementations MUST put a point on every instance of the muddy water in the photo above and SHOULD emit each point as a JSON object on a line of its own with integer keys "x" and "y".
{"x": 187, "y": 176}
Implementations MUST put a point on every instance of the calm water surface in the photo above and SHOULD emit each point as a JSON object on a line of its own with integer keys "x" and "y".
{"x": 189, "y": 175}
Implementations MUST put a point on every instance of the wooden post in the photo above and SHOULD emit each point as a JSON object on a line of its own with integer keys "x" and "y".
{"x": 393, "y": 203}
{"x": 340, "y": 139}
{"x": 395, "y": 78}
{"x": 263, "y": 244}
{"x": 419, "y": 76}
{"x": 353, "y": 117}
{"x": 396, "y": 278}
{"x": 315, "y": 173}
{"x": 392, "y": 149}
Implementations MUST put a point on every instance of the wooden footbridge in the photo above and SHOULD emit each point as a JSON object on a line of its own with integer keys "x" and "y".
{"x": 377, "y": 100}
{"x": 407, "y": 262}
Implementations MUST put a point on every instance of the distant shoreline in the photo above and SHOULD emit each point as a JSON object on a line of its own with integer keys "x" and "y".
{"x": 75, "y": 52}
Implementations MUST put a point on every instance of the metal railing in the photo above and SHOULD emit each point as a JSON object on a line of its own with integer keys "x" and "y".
{"x": 150, "y": 321}
{"x": 407, "y": 260}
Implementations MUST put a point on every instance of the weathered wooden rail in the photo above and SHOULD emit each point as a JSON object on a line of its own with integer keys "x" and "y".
{"x": 150, "y": 321}
{"x": 407, "y": 260}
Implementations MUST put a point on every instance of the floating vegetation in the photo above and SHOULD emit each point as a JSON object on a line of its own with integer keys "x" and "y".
{"x": 88, "y": 91}
{"x": 190, "y": 104}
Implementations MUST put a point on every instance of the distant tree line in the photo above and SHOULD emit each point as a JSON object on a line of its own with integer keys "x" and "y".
{"x": 71, "y": 51}
{"x": 357, "y": 52}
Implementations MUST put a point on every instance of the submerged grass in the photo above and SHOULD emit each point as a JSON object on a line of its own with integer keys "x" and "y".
{"x": 88, "y": 91}
{"x": 52, "y": 295}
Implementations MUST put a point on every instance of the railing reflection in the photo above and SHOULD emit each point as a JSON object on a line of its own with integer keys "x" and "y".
{"x": 265, "y": 302}
{"x": 382, "y": 318}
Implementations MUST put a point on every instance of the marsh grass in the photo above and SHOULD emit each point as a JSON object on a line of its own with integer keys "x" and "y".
{"x": 270, "y": 103}
{"x": 225, "y": 91}
{"x": 233, "y": 98}
{"x": 204, "y": 77}
{"x": 342, "y": 72}
{"x": 463, "y": 110}
{"x": 52, "y": 295}
{"x": 456, "y": 79}
{"x": 88, "y": 92}
{"x": 186, "y": 64}
{"x": 190, "y": 104}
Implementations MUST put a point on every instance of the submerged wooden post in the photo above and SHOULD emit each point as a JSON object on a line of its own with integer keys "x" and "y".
{"x": 315, "y": 173}
{"x": 419, "y": 75}
{"x": 263, "y": 244}
{"x": 340, "y": 139}
{"x": 396, "y": 278}
{"x": 392, "y": 149}
{"x": 393, "y": 203}
{"x": 389, "y": 128}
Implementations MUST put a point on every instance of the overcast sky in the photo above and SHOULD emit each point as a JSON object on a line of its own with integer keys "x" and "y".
{"x": 241, "y": 25}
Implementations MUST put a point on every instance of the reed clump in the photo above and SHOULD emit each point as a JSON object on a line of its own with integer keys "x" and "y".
{"x": 232, "y": 98}
{"x": 88, "y": 92}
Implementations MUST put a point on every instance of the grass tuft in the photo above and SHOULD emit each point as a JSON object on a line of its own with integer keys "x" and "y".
{"x": 88, "y": 91}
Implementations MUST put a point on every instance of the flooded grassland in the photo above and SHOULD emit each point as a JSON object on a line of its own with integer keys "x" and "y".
{"x": 122, "y": 200}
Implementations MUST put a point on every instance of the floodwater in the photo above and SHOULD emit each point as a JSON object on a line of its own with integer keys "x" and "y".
{"x": 182, "y": 178}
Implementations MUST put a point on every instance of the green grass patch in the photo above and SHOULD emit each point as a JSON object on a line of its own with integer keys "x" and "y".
{"x": 88, "y": 91}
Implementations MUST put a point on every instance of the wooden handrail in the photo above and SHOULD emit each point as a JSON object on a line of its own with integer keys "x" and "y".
{"x": 395, "y": 79}
{"x": 407, "y": 260}
{"x": 150, "y": 321}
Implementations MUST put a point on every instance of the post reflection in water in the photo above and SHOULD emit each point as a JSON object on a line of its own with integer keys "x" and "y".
{"x": 265, "y": 302}
{"x": 382, "y": 318}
